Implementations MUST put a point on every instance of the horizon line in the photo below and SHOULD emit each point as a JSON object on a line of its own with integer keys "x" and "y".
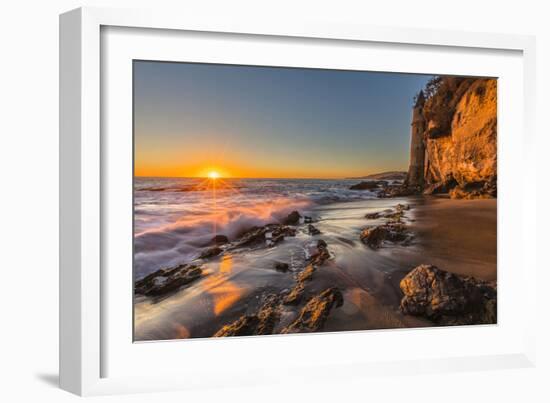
{"x": 261, "y": 177}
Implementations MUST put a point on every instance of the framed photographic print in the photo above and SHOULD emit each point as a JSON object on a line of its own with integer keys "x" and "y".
{"x": 280, "y": 196}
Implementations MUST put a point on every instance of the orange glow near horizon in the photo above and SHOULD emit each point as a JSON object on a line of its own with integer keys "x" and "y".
{"x": 249, "y": 172}
{"x": 213, "y": 165}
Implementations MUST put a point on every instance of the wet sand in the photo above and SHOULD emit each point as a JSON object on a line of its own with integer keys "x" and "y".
{"x": 455, "y": 235}
{"x": 458, "y": 235}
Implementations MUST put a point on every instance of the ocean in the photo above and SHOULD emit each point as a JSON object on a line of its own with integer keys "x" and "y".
{"x": 174, "y": 218}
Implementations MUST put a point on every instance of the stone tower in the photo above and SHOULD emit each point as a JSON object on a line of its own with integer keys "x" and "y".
{"x": 415, "y": 176}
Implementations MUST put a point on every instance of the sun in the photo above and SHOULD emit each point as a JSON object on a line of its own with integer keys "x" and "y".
{"x": 213, "y": 175}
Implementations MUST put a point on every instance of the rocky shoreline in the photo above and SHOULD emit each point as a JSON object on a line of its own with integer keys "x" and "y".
{"x": 427, "y": 292}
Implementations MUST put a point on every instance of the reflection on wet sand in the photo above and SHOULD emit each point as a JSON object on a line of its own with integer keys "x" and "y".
{"x": 220, "y": 288}
{"x": 187, "y": 313}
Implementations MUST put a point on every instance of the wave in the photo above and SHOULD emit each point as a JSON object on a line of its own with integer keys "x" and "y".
{"x": 183, "y": 239}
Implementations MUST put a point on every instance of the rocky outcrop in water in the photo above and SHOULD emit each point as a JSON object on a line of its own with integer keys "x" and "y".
{"x": 373, "y": 237}
{"x": 315, "y": 313}
{"x": 282, "y": 266}
{"x": 292, "y": 219}
{"x": 448, "y": 299}
{"x": 269, "y": 235}
{"x": 389, "y": 175}
{"x": 317, "y": 259}
{"x": 370, "y": 185}
{"x": 393, "y": 230}
{"x": 164, "y": 281}
{"x": 259, "y": 323}
{"x": 454, "y": 138}
{"x": 219, "y": 240}
{"x": 312, "y": 230}
{"x": 211, "y": 252}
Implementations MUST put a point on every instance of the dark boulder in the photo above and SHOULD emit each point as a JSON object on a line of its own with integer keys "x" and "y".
{"x": 211, "y": 252}
{"x": 375, "y": 236}
{"x": 448, "y": 299}
{"x": 219, "y": 240}
{"x": 277, "y": 233}
{"x": 364, "y": 186}
{"x": 398, "y": 191}
{"x": 312, "y": 230}
{"x": 164, "y": 281}
{"x": 321, "y": 255}
{"x": 372, "y": 216}
{"x": 268, "y": 235}
{"x": 281, "y": 266}
{"x": 292, "y": 219}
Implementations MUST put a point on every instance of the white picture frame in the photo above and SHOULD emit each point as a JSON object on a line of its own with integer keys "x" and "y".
{"x": 89, "y": 339}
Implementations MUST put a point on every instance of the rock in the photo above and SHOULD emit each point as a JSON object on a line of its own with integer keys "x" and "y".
{"x": 312, "y": 230}
{"x": 297, "y": 292}
{"x": 211, "y": 252}
{"x": 281, "y": 266}
{"x": 292, "y": 219}
{"x": 389, "y": 175}
{"x": 164, "y": 281}
{"x": 365, "y": 186}
{"x": 321, "y": 244}
{"x": 267, "y": 235}
{"x": 475, "y": 190}
{"x": 446, "y": 298}
{"x": 307, "y": 220}
{"x": 306, "y": 274}
{"x": 443, "y": 186}
{"x": 315, "y": 313}
{"x": 374, "y": 236}
{"x": 321, "y": 255}
{"x": 260, "y": 323}
{"x": 394, "y": 217}
{"x": 372, "y": 216}
{"x": 219, "y": 240}
{"x": 278, "y": 234}
{"x": 399, "y": 191}
{"x": 402, "y": 207}
{"x": 295, "y": 295}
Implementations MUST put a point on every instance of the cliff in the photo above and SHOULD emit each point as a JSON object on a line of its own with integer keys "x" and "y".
{"x": 454, "y": 138}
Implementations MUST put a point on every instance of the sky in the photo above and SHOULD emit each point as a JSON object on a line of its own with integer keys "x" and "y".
{"x": 270, "y": 122}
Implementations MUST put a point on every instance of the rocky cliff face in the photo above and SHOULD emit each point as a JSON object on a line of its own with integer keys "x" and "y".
{"x": 458, "y": 146}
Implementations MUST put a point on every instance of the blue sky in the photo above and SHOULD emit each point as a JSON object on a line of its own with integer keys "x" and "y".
{"x": 247, "y": 121}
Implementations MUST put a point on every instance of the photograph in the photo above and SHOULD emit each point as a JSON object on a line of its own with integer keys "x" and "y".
{"x": 275, "y": 200}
